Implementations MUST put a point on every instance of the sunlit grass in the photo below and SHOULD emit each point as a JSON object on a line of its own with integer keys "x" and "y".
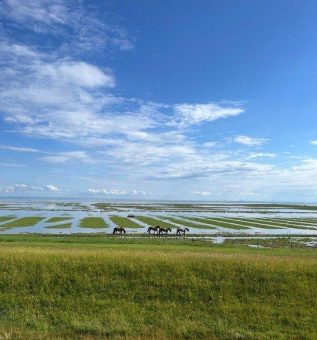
{"x": 60, "y": 226}
{"x": 6, "y": 218}
{"x": 151, "y": 221}
{"x": 103, "y": 287}
{"x": 92, "y": 222}
{"x": 58, "y": 219}
{"x": 124, "y": 222}
{"x": 23, "y": 222}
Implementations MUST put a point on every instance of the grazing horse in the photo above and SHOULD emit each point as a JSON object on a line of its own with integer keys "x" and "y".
{"x": 180, "y": 231}
{"x": 154, "y": 229}
{"x": 118, "y": 230}
{"x": 164, "y": 230}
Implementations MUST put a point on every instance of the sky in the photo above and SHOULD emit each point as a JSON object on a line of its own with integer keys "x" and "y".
{"x": 210, "y": 100}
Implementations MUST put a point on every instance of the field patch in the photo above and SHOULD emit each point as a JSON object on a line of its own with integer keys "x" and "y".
{"x": 58, "y": 219}
{"x": 189, "y": 224}
{"x": 217, "y": 222}
{"x": 153, "y": 222}
{"x": 6, "y": 218}
{"x": 23, "y": 222}
{"x": 124, "y": 222}
{"x": 59, "y": 226}
{"x": 93, "y": 222}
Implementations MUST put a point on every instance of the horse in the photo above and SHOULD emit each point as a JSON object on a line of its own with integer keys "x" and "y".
{"x": 180, "y": 231}
{"x": 118, "y": 230}
{"x": 154, "y": 229}
{"x": 164, "y": 230}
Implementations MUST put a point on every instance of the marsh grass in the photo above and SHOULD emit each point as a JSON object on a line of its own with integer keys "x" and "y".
{"x": 59, "y": 226}
{"x": 217, "y": 222}
{"x": 153, "y": 289}
{"x": 189, "y": 224}
{"x": 58, "y": 219}
{"x": 151, "y": 221}
{"x": 124, "y": 222}
{"x": 6, "y": 218}
{"x": 23, "y": 222}
{"x": 93, "y": 222}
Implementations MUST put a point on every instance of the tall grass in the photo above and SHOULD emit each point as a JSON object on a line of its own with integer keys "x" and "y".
{"x": 159, "y": 290}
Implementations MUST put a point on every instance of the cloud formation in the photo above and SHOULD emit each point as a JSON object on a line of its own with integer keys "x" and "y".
{"x": 250, "y": 141}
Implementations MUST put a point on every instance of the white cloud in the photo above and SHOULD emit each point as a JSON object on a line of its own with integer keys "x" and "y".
{"x": 51, "y": 187}
{"x": 201, "y": 193}
{"x": 261, "y": 155}
{"x": 117, "y": 192}
{"x": 250, "y": 141}
{"x": 82, "y": 29}
{"x": 20, "y": 149}
{"x": 70, "y": 156}
{"x": 27, "y": 189}
{"x": 314, "y": 142}
{"x": 191, "y": 114}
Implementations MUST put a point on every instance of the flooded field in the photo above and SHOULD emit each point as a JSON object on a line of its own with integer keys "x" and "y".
{"x": 208, "y": 221}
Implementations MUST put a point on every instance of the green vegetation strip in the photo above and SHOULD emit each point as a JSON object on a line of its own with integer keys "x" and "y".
{"x": 58, "y": 219}
{"x": 23, "y": 222}
{"x": 281, "y": 224}
{"x": 217, "y": 222}
{"x": 6, "y": 218}
{"x": 189, "y": 224}
{"x": 88, "y": 288}
{"x": 155, "y": 222}
{"x": 124, "y": 222}
{"x": 92, "y": 222}
{"x": 59, "y": 226}
{"x": 255, "y": 223}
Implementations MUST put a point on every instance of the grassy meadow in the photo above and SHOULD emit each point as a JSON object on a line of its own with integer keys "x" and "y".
{"x": 99, "y": 286}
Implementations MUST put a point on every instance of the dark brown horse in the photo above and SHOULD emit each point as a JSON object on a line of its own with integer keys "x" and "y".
{"x": 180, "y": 231}
{"x": 118, "y": 230}
{"x": 154, "y": 229}
{"x": 163, "y": 231}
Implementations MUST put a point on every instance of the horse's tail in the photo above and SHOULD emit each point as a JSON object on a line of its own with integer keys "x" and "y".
{"x": 123, "y": 230}
{"x": 187, "y": 229}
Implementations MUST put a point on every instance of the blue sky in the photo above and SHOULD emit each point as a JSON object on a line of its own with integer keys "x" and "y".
{"x": 208, "y": 100}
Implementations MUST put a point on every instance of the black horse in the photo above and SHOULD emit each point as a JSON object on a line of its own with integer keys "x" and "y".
{"x": 163, "y": 231}
{"x": 118, "y": 230}
{"x": 154, "y": 229}
{"x": 180, "y": 231}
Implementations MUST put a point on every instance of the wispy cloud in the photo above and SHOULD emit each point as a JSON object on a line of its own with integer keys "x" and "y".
{"x": 250, "y": 141}
{"x": 191, "y": 114}
{"x": 261, "y": 155}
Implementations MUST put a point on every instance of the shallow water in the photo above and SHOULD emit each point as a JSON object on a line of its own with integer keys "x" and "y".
{"x": 81, "y": 208}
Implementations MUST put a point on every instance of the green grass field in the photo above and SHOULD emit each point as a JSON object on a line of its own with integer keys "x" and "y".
{"x": 151, "y": 221}
{"x": 59, "y": 226}
{"x": 58, "y": 219}
{"x": 6, "y": 218}
{"x": 23, "y": 222}
{"x": 107, "y": 287}
{"x": 217, "y": 222}
{"x": 93, "y": 222}
{"x": 189, "y": 224}
{"x": 124, "y": 222}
